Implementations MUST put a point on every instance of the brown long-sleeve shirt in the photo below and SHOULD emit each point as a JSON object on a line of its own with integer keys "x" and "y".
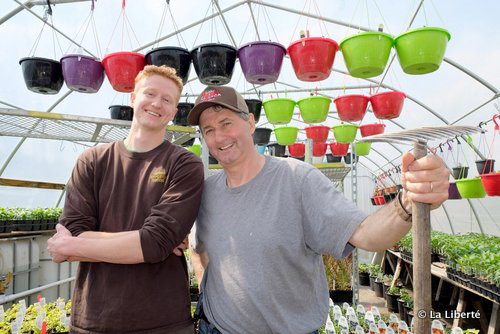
{"x": 156, "y": 192}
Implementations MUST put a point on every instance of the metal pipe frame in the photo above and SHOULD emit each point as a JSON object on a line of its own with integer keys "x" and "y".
{"x": 15, "y": 296}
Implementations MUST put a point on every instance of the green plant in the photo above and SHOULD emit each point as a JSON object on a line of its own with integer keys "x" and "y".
{"x": 338, "y": 272}
{"x": 375, "y": 270}
{"x": 394, "y": 290}
{"x": 363, "y": 267}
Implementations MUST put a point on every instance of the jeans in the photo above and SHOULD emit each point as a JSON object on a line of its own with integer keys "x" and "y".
{"x": 206, "y": 328}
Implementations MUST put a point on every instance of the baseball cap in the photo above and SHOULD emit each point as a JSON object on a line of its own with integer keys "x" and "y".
{"x": 223, "y": 96}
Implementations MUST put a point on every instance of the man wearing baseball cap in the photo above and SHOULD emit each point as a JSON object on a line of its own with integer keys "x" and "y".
{"x": 264, "y": 223}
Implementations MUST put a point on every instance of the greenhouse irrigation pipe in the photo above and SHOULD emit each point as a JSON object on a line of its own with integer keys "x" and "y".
{"x": 9, "y": 298}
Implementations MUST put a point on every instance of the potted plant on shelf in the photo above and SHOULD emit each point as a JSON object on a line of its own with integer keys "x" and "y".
{"x": 375, "y": 270}
{"x": 364, "y": 275}
{"x": 391, "y": 296}
{"x": 338, "y": 277}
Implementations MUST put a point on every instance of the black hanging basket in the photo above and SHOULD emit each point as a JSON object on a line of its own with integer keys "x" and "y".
{"x": 277, "y": 150}
{"x": 183, "y": 109}
{"x": 171, "y": 56}
{"x": 42, "y": 75}
{"x": 124, "y": 113}
{"x": 255, "y": 107}
{"x": 214, "y": 63}
{"x": 261, "y": 136}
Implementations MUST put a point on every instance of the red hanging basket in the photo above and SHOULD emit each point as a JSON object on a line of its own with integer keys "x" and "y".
{"x": 122, "y": 68}
{"x": 338, "y": 149}
{"x": 319, "y": 149}
{"x": 387, "y": 105}
{"x": 318, "y": 133}
{"x": 312, "y": 57}
{"x": 351, "y": 108}
{"x": 371, "y": 129}
{"x": 297, "y": 150}
{"x": 491, "y": 183}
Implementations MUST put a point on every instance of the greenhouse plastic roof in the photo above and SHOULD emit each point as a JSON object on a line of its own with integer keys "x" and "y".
{"x": 463, "y": 91}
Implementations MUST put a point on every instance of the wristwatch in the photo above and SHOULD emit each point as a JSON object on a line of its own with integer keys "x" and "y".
{"x": 400, "y": 209}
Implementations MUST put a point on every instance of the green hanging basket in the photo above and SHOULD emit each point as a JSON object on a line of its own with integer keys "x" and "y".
{"x": 362, "y": 148}
{"x": 421, "y": 50}
{"x": 196, "y": 149}
{"x": 471, "y": 188}
{"x": 286, "y": 135}
{"x": 345, "y": 133}
{"x": 279, "y": 111}
{"x": 366, "y": 54}
{"x": 314, "y": 109}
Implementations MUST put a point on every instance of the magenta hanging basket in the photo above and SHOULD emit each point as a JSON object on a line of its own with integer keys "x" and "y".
{"x": 82, "y": 73}
{"x": 122, "y": 68}
{"x": 261, "y": 61}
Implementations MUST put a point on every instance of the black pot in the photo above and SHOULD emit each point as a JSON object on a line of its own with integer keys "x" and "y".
{"x": 255, "y": 107}
{"x": 385, "y": 287}
{"x": 373, "y": 201}
{"x": 372, "y": 282}
{"x": 125, "y": 113}
{"x": 402, "y": 310}
{"x": 214, "y": 63}
{"x": 364, "y": 279}
{"x": 188, "y": 143}
{"x": 347, "y": 158}
{"x": 3, "y": 224}
{"x": 212, "y": 160}
{"x": 331, "y": 158}
{"x": 485, "y": 166}
{"x": 378, "y": 289}
{"x": 42, "y": 75}
{"x": 183, "y": 109}
{"x": 409, "y": 317}
{"x": 460, "y": 172}
{"x": 276, "y": 149}
{"x": 392, "y": 302}
{"x": 261, "y": 136}
{"x": 171, "y": 56}
{"x": 341, "y": 296}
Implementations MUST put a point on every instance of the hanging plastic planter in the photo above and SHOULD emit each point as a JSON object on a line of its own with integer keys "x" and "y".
{"x": 453, "y": 192}
{"x": 261, "y": 149}
{"x": 345, "y": 133}
{"x": 471, "y": 188}
{"x": 297, "y": 150}
{"x": 124, "y": 113}
{"x": 351, "y": 108}
{"x": 371, "y": 129}
{"x": 122, "y": 68}
{"x": 314, "y": 109}
{"x": 319, "y": 149}
{"x": 42, "y": 75}
{"x": 276, "y": 150}
{"x": 339, "y": 149}
{"x": 460, "y": 172}
{"x": 318, "y": 133}
{"x": 214, "y": 63}
{"x": 183, "y": 109}
{"x": 82, "y": 73}
{"x": 491, "y": 183}
{"x": 312, "y": 57}
{"x": 196, "y": 149}
{"x": 485, "y": 166}
{"x": 286, "y": 135}
{"x": 261, "y": 136}
{"x": 421, "y": 50}
{"x": 171, "y": 56}
{"x": 254, "y": 107}
{"x": 362, "y": 148}
{"x": 387, "y": 105}
{"x": 330, "y": 158}
{"x": 366, "y": 54}
{"x": 279, "y": 111}
{"x": 261, "y": 61}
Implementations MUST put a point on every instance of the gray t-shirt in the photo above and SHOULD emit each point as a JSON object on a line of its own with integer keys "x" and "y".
{"x": 264, "y": 240}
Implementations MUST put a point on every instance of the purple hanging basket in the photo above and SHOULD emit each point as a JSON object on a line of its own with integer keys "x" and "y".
{"x": 453, "y": 192}
{"x": 261, "y": 61}
{"x": 82, "y": 73}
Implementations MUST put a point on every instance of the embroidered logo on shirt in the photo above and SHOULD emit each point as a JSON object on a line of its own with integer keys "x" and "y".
{"x": 159, "y": 175}
{"x": 209, "y": 95}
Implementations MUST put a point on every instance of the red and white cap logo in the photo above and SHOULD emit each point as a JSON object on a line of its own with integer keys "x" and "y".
{"x": 209, "y": 95}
